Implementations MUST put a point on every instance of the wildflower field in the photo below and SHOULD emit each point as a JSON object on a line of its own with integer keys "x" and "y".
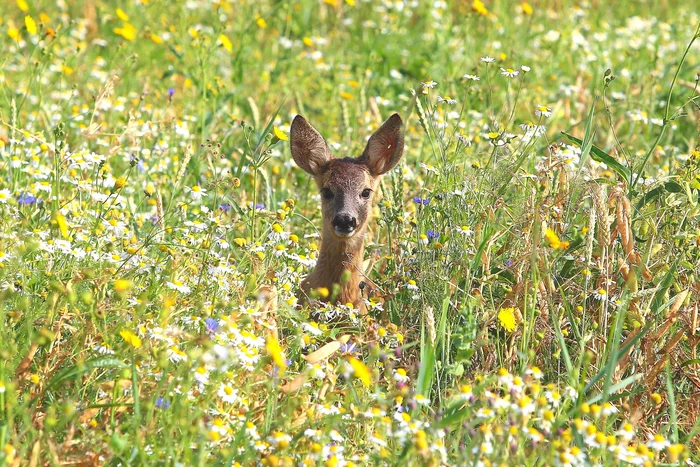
{"x": 531, "y": 268}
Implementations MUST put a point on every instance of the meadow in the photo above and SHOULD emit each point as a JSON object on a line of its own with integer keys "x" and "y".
{"x": 530, "y": 271}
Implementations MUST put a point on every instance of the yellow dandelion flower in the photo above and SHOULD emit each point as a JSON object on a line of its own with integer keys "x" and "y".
{"x": 275, "y": 352}
{"x": 31, "y": 25}
{"x": 554, "y": 241}
{"x": 479, "y": 7}
{"x": 121, "y": 14}
{"x": 279, "y": 134}
{"x": 130, "y": 338}
{"x": 226, "y": 42}
{"x": 123, "y": 285}
{"x": 262, "y": 24}
{"x": 12, "y": 32}
{"x": 507, "y": 319}
{"x": 127, "y": 31}
{"x": 527, "y": 8}
{"x": 61, "y": 223}
{"x": 361, "y": 371}
{"x": 23, "y": 5}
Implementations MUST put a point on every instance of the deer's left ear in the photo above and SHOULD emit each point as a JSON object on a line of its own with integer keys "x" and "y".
{"x": 385, "y": 147}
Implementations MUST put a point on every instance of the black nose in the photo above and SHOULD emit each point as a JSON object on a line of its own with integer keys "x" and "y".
{"x": 344, "y": 223}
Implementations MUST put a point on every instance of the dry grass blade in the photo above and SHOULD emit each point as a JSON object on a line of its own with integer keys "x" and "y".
{"x": 26, "y": 361}
{"x": 34, "y": 458}
{"x": 327, "y": 350}
{"x": 294, "y": 384}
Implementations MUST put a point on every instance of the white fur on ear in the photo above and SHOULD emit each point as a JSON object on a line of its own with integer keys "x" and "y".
{"x": 308, "y": 147}
{"x": 385, "y": 147}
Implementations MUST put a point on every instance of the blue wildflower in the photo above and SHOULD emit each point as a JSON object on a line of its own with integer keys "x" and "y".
{"x": 211, "y": 324}
{"x": 432, "y": 234}
{"x": 162, "y": 403}
{"x": 27, "y": 199}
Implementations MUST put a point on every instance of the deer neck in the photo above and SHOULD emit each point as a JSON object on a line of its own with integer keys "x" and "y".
{"x": 336, "y": 257}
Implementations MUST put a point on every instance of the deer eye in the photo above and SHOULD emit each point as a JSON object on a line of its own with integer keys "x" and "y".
{"x": 366, "y": 193}
{"x": 327, "y": 194}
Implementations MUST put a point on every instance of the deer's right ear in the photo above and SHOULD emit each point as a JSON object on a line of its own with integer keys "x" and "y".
{"x": 309, "y": 149}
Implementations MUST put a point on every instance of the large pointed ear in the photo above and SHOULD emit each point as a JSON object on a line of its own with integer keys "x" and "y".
{"x": 385, "y": 147}
{"x": 309, "y": 149}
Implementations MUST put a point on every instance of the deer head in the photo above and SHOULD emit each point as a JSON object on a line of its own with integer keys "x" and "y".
{"x": 347, "y": 185}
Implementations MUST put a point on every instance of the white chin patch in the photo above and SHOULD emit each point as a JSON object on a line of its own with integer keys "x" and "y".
{"x": 342, "y": 233}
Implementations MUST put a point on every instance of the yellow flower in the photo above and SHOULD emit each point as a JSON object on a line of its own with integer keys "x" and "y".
{"x": 130, "y": 338}
{"x": 275, "y": 352}
{"x": 62, "y": 223}
{"x": 127, "y": 31}
{"x": 674, "y": 451}
{"x": 479, "y": 7}
{"x": 281, "y": 135}
{"x": 123, "y": 285}
{"x": 346, "y": 95}
{"x": 226, "y": 42}
{"x": 262, "y": 24}
{"x": 527, "y": 8}
{"x": 507, "y": 319}
{"x": 156, "y": 38}
{"x": 361, "y": 371}
{"x": 121, "y": 14}
{"x": 30, "y": 24}
{"x": 13, "y": 32}
{"x": 22, "y": 5}
{"x": 553, "y": 240}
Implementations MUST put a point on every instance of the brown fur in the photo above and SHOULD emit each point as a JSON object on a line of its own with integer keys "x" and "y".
{"x": 346, "y": 179}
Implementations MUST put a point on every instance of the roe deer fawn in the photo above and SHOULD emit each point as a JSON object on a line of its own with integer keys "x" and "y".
{"x": 347, "y": 186}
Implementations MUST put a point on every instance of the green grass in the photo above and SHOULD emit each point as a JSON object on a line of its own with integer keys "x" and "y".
{"x": 533, "y": 260}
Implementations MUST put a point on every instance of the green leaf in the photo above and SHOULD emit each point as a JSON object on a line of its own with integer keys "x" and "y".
{"x": 601, "y": 156}
{"x": 616, "y": 387}
{"x": 427, "y": 364}
{"x": 670, "y": 186}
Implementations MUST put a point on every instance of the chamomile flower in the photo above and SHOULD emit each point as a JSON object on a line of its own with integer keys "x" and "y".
{"x": 196, "y": 192}
{"x": 600, "y": 294}
{"x": 543, "y": 111}
{"x": 179, "y": 286}
{"x": 509, "y": 72}
{"x": 5, "y": 196}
